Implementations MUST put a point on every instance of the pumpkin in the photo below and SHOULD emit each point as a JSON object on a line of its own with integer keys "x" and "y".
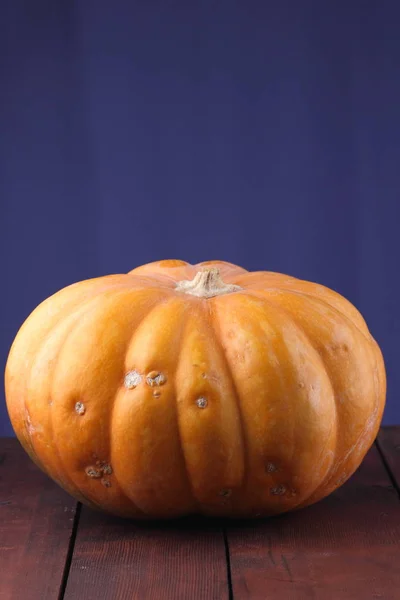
{"x": 179, "y": 389}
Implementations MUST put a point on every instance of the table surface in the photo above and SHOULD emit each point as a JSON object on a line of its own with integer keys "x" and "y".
{"x": 344, "y": 547}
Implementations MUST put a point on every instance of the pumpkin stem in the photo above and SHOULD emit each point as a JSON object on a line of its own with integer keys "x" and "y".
{"x": 206, "y": 284}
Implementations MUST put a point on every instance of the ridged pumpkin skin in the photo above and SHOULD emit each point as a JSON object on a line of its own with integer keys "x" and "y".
{"x": 262, "y": 399}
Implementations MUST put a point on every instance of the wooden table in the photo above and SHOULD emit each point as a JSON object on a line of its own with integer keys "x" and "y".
{"x": 345, "y": 547}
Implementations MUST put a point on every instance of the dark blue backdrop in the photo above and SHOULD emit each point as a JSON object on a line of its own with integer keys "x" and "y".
{"x": 263, "y": 133}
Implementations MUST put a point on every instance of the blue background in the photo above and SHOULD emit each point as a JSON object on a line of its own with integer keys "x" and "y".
{"x": 262, "y": 133}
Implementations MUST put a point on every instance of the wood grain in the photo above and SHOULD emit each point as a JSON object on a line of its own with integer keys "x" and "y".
{"x": 122, "y": 560}
{"x": 36, "y": 524}
{"x": 389, "y": 445}
{"x": 345, "y": 547}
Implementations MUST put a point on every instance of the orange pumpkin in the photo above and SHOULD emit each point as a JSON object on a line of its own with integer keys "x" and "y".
{"x": 179, "y": 388}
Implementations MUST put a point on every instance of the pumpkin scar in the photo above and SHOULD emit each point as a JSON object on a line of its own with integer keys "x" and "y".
{"x": 80, "y": 408}
{"x": 93, "y": 472}
{"x": 30, "y": 427}
{"x": 225, "y": 493}
{"x": 132, "y": 379}
{"x": 202, "y": 402}
{"x": 155, "y": 378}
{"x": 278, "y": 490}
{"x": 271, "y": 468}
{"x": 96, "y": 472}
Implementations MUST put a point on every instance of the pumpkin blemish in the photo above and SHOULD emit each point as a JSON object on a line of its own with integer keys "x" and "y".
{"x": 278, "y": 490}
{"x": 155, "y": 378}
{"x": 132, "y": 379}
{"x": 271, "y": 467}
{"x": 202, "y": 402}
{"x": 93, "y": 472}
{"x": 80, "y": 408}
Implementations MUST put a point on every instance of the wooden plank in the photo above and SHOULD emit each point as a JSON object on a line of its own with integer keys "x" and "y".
{"x": 122, "y": 559}
{"x": 389, "y": 445}
{"x": 36, "y": 525}
{"x": 346, "y": 546}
